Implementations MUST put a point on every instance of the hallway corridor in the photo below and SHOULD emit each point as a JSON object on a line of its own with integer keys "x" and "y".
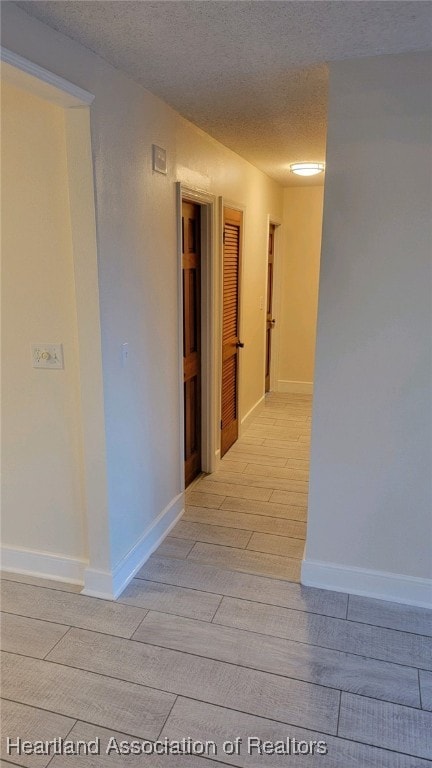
{"x": 216, "y": 640}
{"x": 250, "y": 515}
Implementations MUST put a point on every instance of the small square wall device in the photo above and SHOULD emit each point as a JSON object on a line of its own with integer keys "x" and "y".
{"x": 159, "y": 159}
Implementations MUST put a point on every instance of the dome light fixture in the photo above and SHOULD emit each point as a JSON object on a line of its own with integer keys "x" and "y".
{"x": 307, "y": 169}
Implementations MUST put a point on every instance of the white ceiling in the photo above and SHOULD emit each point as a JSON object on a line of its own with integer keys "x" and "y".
{"x": 252, "y": 74}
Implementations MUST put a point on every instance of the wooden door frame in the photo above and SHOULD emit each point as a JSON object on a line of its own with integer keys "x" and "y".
{"x": 276, "y": 304}
{"x": 209, "y": 410}
{"x": 95, "y": 569}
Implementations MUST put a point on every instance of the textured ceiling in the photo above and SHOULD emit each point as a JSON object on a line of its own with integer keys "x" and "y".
{"x": 252, "y": 74}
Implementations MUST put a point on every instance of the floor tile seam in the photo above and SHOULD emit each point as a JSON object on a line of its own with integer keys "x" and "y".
{"x": 419, "y": 687}
{"x": 260, "y": 717}
{"x": 66, "y": 737}
{"x": 270, "y": 605}
{"x": 9, "y": 577}
{"x": 56, "y": 643}
{"x": 189, "y": 698}
{"x": 77, "y": 626}
{"x": 327, "y": 648}
{"x": 258, "y": 552}
{"x": 220, "y": 661}
{"x": 242, "y": 512}
{"x": 78, "y": 720}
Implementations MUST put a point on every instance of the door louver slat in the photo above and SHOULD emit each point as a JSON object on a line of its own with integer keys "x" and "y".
{"x": 230, "y": 280}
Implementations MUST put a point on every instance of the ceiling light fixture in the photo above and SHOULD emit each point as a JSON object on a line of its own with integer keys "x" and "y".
{"x": 307, "y": 169}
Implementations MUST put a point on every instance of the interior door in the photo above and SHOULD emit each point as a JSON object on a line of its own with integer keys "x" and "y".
{"x": 232, "y": 235}
{"x": 191, "y": 269}
{"x": 270, "y": 322}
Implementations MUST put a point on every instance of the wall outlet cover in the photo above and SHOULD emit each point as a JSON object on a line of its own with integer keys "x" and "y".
{"x": 47, "y": 356}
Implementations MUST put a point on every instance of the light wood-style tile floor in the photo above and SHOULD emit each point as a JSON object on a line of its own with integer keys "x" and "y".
{"x": 215, "y": 639}
{"x": 250, "y": 515}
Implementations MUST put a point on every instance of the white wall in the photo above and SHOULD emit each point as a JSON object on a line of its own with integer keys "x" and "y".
{"x": 43, "y": 506}
{"x": 370, "y": 486}
{"x": 136, "y": 226}
{"x": 301, "y": 249}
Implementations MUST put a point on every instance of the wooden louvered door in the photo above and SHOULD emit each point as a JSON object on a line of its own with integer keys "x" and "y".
{"x": 191, "y": 269}
{"x": 270, "y": 322}
{"x": 232, "y": 223}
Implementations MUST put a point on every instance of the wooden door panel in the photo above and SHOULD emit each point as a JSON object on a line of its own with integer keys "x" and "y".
{"x": 229, "y": 390}
{"x": 191, "y": 418}
{"x": 230, "y": 327}
{"x": 191, "y": 268}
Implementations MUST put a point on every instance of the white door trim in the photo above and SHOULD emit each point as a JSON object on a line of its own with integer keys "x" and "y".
{"x": 76, "y": 102}
{"x": 25, "y": 74}
{"x": 209, "y": 411}
{"x": 276, "y": 306}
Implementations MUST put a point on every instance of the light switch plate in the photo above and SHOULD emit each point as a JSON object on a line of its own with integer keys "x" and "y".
{"x": 47, "y": 355}
{"x": 159, "y": 159}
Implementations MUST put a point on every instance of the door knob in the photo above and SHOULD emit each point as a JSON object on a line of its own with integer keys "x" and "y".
{"x": 272, "y": 323}
{"x": 239, "y": 345}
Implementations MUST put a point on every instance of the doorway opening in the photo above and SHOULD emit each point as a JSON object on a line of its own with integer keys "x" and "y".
{"x": 191, "y": 282}
{"x": 270, "y": 321}
{"x": 197, "y": 345}
{"x": 51, "y": 178}
{"x": 272, "y": 307}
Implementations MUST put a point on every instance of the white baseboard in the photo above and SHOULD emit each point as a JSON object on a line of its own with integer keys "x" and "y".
{"x": 380, "y": 585}
{"x": 110, "y": 585}
{"x": 295, "y": 387}
{"x": 251, "y": 414}
{"x": 44, "y": 565}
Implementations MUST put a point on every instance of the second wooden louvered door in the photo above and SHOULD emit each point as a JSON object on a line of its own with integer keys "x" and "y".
{"x": 232, "y": 224}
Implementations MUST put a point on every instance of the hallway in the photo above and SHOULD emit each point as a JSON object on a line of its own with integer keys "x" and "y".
{"x": 215, "y": 640}
{"x": 250, "y": 515}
